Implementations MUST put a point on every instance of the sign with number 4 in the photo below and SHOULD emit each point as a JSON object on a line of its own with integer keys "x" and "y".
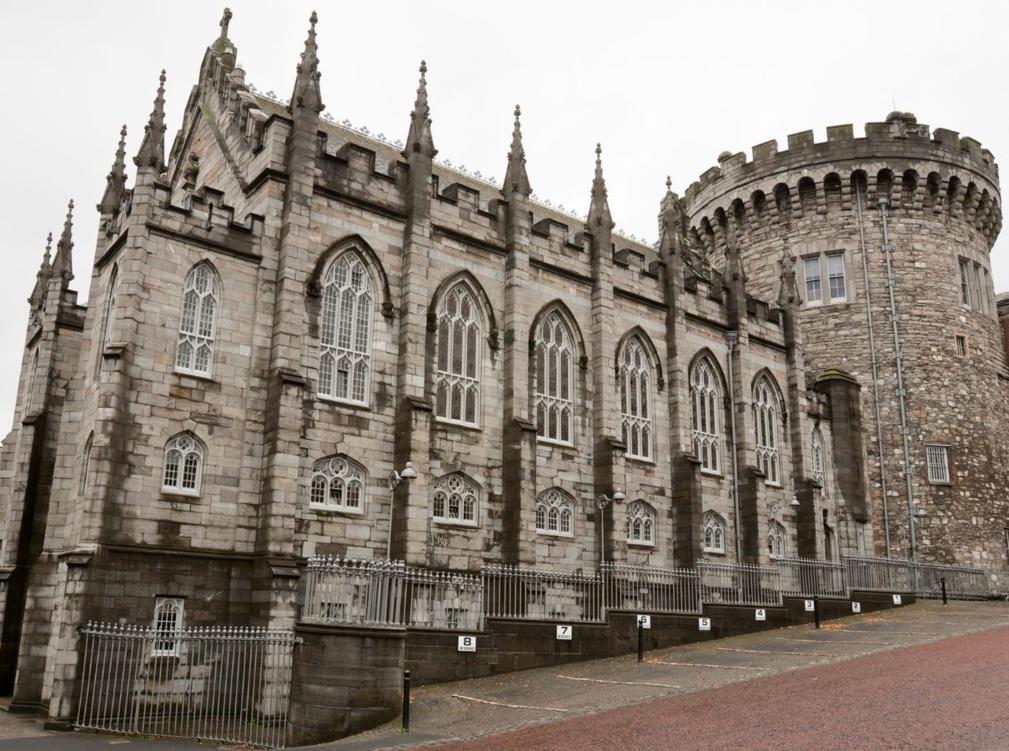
{"x": 644, "y": 621}
{"x": 564, "y": 633}
{"x": 896, "y": 600}
{"x": 467, "y": 644}
{"x": 703, "y": 624}
{"x": 856, "y": 607}
{"x": 761, "y": 614}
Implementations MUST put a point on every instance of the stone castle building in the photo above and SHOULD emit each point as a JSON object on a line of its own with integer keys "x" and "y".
{"x": 287, "y": 312}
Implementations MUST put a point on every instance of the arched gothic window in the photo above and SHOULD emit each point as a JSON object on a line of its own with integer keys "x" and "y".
{"x": 183, "y": 465}
{"x": 197, "y": 326}
{"x": 457, "y": 376}
{"x": 640, "y": 524}
{"x": 555, "y": 513}
{"x": 636, "y": 399}
{"x": 338, "y": 485}
{"x": 776, "y": 540}
{"x": 713, "y": 528}
{"x": 168, "y": 612}
{"x": 345, "y": 343}
{"x": 705, "y": 413}
{"x": 455, "y": 500}
{"x": 765, "y": 425}
{"x": 554, "y": 381}
{"x": 818, "y": 462}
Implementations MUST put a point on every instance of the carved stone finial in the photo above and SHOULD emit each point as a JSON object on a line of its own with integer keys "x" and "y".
{"x": 516, "y": 179}
{"x": 225, "y": 20}
{"x": 599, "y": 207}
{"x": 420, "y": 140}
{"x": 307, "y": 93}
{"x": 152, "y": 148}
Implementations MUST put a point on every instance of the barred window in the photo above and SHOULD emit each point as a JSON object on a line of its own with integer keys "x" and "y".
{"x": 635, "y": 400}
{"x": 765, "y": 424}
{"x": 455, "y": 500}
{"x": 818, "y": 462}
{"x": 555, "y": 513}
{"x": 338, "y": 484}
{"x": 776, "y": 539}
{"x": 554, "y": 381}
{"x": 713, "y": 528}
{"x": 168, "y": 612}
{"x": 705, "y": 415}
{"x": 345, "y": 341}
{"x": 200, "y": 295}
{"x": 640, "y": 520}
{"x": 183, "y": 465}
{"x": 938, "y": 463}
{"x": 457, "y": 376}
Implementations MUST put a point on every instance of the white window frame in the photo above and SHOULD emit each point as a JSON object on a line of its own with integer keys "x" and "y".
{"x": 338, "y": 484}
{"x": 818, "y": 457}
{"x": 636, "y": 400}
{"x": 177, "y": 477}
{"x": 813, "y": 280}
{"x": 766, "y": 430}
{"x": 713, "y": 532}
{"x": 455, "y": 499}
{"x": 964, "y": 283}
{"x": 937, "y": 460}
{"x": 346, "y": 330}
{"x": 555, "y": 513}
{"x": 167, "y": 627}
{"x": 640, "y": 524}
{"x": 777, "y": 539}
{"x": 837, "y": 286}
{"x": 706, "y": 416}
{"x": 554, "y": 381}
{"x": 825, "y": 279}
{"x": 198, "y": 322}
{"x": 458, "y": 358}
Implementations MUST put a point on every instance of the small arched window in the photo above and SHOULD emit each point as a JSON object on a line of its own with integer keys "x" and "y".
{"x": 168, "y": 613}
{"x": 819, "y": 474}
{"x": 457, "y": 369}
{"x": 640, "y": 524}
{"x": 338, "y": 484}
{"x": 765, "y": 425}
{"x": 183, "y": 465}
{"x": 705, "y": 415}
{"x": 776, "y": 540}
{"x": 713, "y": 528}
{"x": 347, "y": 308}
{"x": 197, "y": 325}
{"x": 636, "y": 399}
{"x": 456, "y": 500}
{"x": 554, "y": 381}
{"x": 555, "y": 513}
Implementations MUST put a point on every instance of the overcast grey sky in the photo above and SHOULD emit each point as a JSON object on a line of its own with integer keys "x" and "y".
{"x": 665, "y": 87}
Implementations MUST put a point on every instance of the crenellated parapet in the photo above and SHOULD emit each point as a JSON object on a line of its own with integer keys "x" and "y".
{"x": 918, "y": 170}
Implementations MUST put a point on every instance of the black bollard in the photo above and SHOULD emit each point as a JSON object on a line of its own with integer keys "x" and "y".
{"x": 942, "y": 581}
{"x": 406, "y": 701}
{"x": 641, "y": 642}
{"x": 816, "y": 611}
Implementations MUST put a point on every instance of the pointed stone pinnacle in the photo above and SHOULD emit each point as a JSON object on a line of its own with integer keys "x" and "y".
{"x": 516, "y": 179}
{"x": 49, "y": 247}
{"x": 420, "y": 140}
{"x": 669, "y": 183}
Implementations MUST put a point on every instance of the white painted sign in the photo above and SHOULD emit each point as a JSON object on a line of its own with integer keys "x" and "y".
{"x": 761, "y": 614}
{"x": 896, "y": 600}
{"x": 856, "y": 607}
{"x": 703, "y": 624}
{"x": 467, "y": 644}
{"x": 645, "y": 621}
{"x": 564, "y": 633}
{"x": 810, "y": 606}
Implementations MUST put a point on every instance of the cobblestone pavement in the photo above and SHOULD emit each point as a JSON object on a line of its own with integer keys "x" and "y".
{"x": 475, "y": 709}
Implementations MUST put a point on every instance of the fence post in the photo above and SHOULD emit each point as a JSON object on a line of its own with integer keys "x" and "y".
{"x": 641, "y": 640}
{"x": 942, "y": 581}
{"x": 816, "y": 611}
{"x": 406, "y": 701}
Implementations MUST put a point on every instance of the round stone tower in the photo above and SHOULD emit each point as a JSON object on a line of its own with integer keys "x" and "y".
{"x": 890, "y": 237}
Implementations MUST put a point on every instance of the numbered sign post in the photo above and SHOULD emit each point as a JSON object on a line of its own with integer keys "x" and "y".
{"x": 856, "y": 607}
{"x": 703, "y": 624}
{"x": 467, "y": 644}
{"x": 896, "y": 600}
{"x": 644, "y": 621}
{"x": 761, "y": 614}
{"x": 810, "y": 606}
{"x": 564, "y": 633}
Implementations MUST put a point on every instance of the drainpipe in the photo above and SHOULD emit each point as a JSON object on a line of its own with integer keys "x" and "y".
{"x": 875, "y": 372}
{"x": 731, "y": 337}
{"x": 898, "y": 357}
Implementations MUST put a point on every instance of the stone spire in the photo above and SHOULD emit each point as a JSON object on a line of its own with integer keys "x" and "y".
{"x": 307, "y": 93}
{"x": 152, "y": 149}
{"x": 420, "y": 140}
{"x": 599, "y": 208}
{"x": 63, "y": 264}
{"x": 516, "y": 180}
{"x": 115, "y": 183}
{"x": 41, "y": 279}
{"x": 673, "y": 228}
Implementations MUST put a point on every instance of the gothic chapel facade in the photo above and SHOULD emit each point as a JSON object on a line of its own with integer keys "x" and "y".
{"x": 287, "y": 311}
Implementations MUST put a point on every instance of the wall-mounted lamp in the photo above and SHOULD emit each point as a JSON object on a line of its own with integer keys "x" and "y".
{"x": 395, "y": 478}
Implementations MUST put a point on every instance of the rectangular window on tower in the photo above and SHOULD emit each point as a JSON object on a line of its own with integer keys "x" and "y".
{"x": 814, "y": 287}
{"x": 816, "y": 269}
{"x": 938, "y": 464}
{"x": 964, "y": 283}
{"x": 835, "y": 276}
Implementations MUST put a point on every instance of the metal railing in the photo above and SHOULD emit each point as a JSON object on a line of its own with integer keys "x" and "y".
{"x": 228, "y": 685}
{"x": 880, "y": 574}
{"x": 650, "y": 589}
{"x": 739, "y": 584}
{"x": 389, "y": 593}
{"x": 538, "y": 594}
{"x": 805, "y": 577}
